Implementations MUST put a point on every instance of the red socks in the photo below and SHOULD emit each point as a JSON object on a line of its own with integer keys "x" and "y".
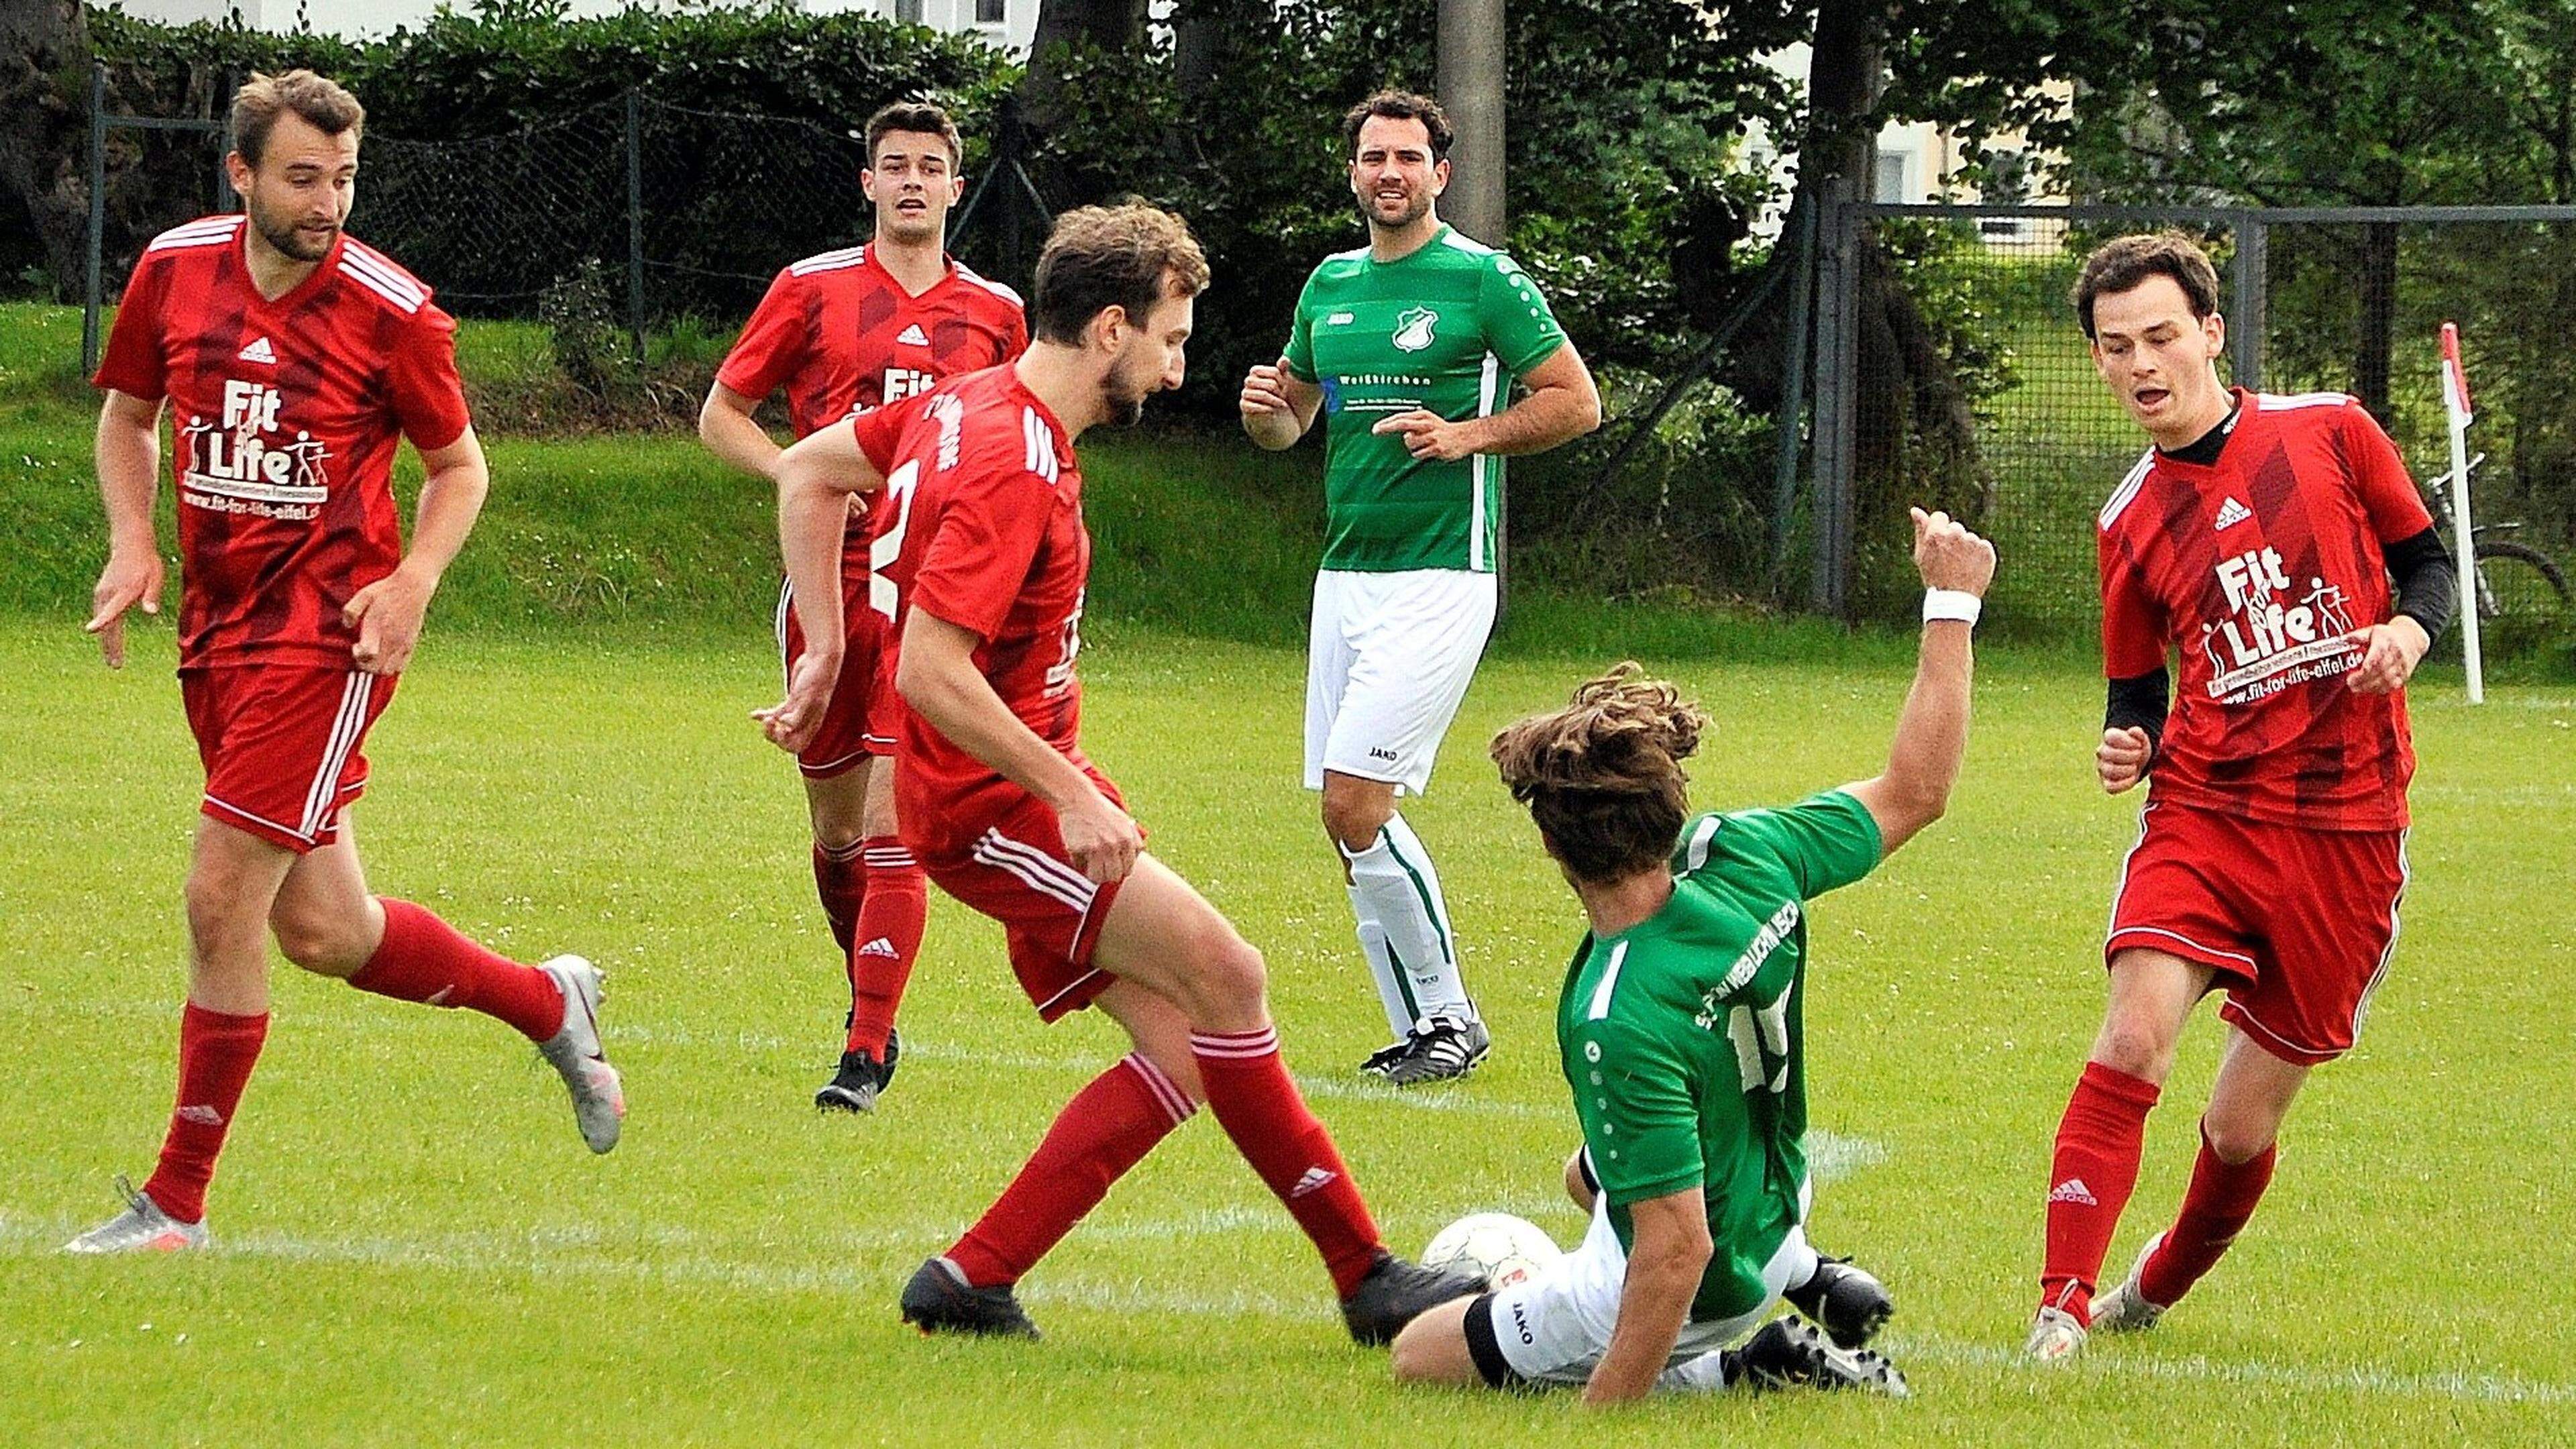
{"x": 1249, "y": 1089}
{"x": 2099, "y": 1142}
{"x": 424, "y": 959}
{"x": 842, "y": 883}
{"x": 216, "y": 1053}
{"x": 2220, "y": 1200}
{"x": 894, "y": 903}
{"x": 1106, "y": 1129}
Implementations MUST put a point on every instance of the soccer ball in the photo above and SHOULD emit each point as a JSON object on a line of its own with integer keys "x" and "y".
{"x": 1501, "y": 1249}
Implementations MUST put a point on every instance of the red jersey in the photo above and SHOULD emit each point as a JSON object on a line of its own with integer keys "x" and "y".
{"x": 284, "y": 416}
{"x": 984, "y": 529}
{"x": 842, "y": 336}
{"x": 2255, "y": 569}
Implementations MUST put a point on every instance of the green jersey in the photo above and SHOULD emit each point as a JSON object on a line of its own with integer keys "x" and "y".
{"x": 1443, "y": 328}
{"x": 1682, "y": 1037}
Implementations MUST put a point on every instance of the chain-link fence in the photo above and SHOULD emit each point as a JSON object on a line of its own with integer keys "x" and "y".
{"x": 672, "y": 211}
{"x": 1948, "y": 342}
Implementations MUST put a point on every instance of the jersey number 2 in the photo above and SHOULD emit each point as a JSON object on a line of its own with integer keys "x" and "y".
{"x": 888, "y": 546}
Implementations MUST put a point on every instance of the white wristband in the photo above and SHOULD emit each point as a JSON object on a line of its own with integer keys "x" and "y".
{"x": 1953, "y": 604}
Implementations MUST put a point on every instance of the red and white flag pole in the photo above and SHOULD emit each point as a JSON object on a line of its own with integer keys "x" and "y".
{"x": 2455, "y": 402}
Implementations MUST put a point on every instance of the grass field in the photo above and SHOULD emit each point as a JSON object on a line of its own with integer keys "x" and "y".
{"x": 414, "y": 1248}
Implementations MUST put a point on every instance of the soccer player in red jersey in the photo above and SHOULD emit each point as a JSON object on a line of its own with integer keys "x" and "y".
{"x": 291, "y": 358}
{"x": 842, "y": 333}
{"x": 994, "y": 795}
{"x": 2255, "y": 542}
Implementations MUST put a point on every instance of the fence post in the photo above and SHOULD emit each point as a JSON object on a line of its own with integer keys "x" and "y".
{"x": 635, "y": 222}
{"x": 1793, "y": 397}
{"x": 2247, "y": 279}
{"x": 1837, "y": 323}
{"x": 97, "y": 216}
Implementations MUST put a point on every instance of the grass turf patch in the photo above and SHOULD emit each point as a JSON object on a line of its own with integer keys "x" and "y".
{"x": 416, "y": 1247}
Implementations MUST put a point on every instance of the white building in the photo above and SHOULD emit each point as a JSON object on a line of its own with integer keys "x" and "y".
{"x": 1008, "y": 23}
{"x": 1918, "y": 161}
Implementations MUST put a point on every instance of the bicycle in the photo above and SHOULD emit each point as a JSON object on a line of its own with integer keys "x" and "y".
{"x": 2532, "y": 585}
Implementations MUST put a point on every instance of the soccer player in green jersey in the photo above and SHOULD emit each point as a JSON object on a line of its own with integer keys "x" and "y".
{"x": 1681, "y": 1030}
{"x": 1408, "y": 347}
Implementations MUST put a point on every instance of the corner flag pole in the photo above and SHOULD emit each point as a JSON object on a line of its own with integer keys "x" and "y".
{"x": 2455, "y": 402}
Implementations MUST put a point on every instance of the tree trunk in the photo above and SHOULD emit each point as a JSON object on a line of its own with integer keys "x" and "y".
{"x": 1065, "y": 26}
{"x": 44, "y": 83}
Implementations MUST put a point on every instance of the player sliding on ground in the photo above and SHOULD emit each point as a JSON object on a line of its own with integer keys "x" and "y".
{"x": 293, "y": 358}
{"x": 1681, "y": 1037}
{"x": 843, "y": 332}
{"x": 993, "y": 793}
{"x": 2255, "y": 539}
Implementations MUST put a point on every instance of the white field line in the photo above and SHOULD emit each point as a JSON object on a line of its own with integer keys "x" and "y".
{"x": 574, "y": 1255}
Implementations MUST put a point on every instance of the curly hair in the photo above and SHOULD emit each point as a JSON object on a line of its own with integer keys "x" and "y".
{"x": 319, "y": 100}
{"x": 1603, "y": 776}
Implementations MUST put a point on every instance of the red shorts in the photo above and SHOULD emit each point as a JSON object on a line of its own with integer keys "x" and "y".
{"x": 2302, "y": 923}
{"x": 280, "y": 744}
{"x": 1004, "y": 855}
{"x": 859, "y": 722}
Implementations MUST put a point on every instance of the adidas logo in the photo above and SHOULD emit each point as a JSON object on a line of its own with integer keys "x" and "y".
{"x": 879, "y": 947}
{"x": 913, "y": 336}
{"x": 258, "y": 351}
{"x": 2232, "y": 513}
{"x": 2073, "y": 1190}
{"x": 202, "y": 1114}
{"x": 1314, "y": 1181}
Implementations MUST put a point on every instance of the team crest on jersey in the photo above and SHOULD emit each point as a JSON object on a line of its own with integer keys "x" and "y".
{"x": 243, "y": 463}
{"x": 1413, "y": 328}
{"x": 2276, "y": 635}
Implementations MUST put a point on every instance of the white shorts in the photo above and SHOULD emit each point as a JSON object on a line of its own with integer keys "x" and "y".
{"x": 1388, "y": 660}
{"x": 1553, "y": 1326}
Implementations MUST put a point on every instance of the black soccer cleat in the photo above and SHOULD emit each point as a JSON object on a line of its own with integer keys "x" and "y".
{"x": 1790, "y": 1352}
{"x": 1396, "y": 1292}
{"x": 939, "y": 1300}
{"x": 1848, "y": 1303}
{"x": 861, "y": 1080}
{"x": 1442, "y": 1052}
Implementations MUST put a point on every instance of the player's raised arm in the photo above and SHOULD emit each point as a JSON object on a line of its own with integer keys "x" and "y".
{"x": 388, "y": 613}
{"x": 1278, "y": 405}
{"x": 815, "y": 480}
{"x": 129, "y": 471}
{"x": 1932, "y": 733}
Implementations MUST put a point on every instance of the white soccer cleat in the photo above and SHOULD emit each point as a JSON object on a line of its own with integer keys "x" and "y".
{"x": 598, "y": 1101}
{"x": 2124, "y": 1309}
{"x": 2056, "y": 1337}
{"x": 142, "y": 1228}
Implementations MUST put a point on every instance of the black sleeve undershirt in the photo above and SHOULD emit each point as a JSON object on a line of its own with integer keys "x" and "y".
{"x": 2428, "y": 581}
{"x": 2140, "y": 702}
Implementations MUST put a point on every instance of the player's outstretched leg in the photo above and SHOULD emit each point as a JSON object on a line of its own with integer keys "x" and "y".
{"x": 1105, "y": 1130}
{"x": 2238, "y": 1150}
{"x": 327, "y": 922}
{"x": 1162, "y": 935}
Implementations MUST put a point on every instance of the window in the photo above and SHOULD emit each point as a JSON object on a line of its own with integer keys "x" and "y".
{"x": 1891, "y": 177}
{"x": 991, "y": 12}
{"x": 908, "y": 12}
